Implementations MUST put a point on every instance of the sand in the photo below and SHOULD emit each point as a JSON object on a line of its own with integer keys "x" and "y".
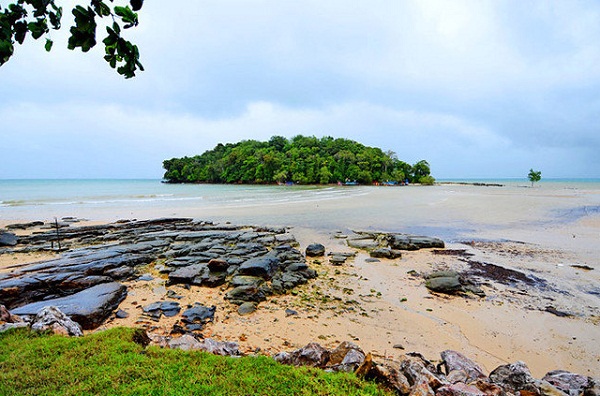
{"x": 384, "y": 309}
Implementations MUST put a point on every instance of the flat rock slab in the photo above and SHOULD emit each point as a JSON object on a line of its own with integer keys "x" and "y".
{"x": 8, "y": 239}
{"x": 89, "y": 308}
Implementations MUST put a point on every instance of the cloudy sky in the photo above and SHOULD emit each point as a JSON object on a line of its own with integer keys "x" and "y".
{"x": 480, "y": 89}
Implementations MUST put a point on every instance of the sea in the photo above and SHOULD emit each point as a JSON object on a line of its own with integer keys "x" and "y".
{"x": 452, "y": 209}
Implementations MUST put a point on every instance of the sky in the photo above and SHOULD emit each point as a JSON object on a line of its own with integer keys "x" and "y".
{"x": 479, "y": 89}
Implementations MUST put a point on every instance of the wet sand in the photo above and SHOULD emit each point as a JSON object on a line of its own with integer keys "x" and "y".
{"x": 380, "y": 305}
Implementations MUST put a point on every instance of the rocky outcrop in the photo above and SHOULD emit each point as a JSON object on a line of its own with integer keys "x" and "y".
{"x": 52, "y": 319}
{"x": 89, "y": 307}
{"x": 389, "y": 245}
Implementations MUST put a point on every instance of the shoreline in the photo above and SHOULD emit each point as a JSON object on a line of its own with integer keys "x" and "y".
{"x": 395, "y": 308}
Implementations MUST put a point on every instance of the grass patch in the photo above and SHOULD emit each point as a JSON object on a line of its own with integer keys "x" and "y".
{"x": 110, "y": 363}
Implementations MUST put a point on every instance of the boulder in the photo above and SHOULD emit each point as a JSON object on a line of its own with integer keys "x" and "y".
{"x": 52, "y": 319}
{"x": 188, "y": 274}
{"x": 218, "y": 265}
{"x": 197, "y": 316}
{"x": 459, "y": 389}
{"x": 447, "y": 282}
{"x": 346, "y": 357}
{"x": 363, "y": 243}
{"x": 567, "y": 382}
{"x": 8, "y": 239}
{"x": 313, "y": 355}
{"x": 263, "y": 266}
{"x": 222, "y": 348}
{"x": 186, "y": 342}
{"x": 514, "y": 378}
{"x": 242, "y": 280}
{"x": 386, "y": 253}
{"x": 413, "y": 242}
{"x": 459, "y": 368}
{"x": 315, "y": 250}
{"x": 241, "y": 294}
{"x": 89, "y": 307}
{"x": 246, "y": 308}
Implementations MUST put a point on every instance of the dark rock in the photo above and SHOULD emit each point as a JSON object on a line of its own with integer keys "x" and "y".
{"x": 7, "y": 317}
{"x": 363, "y": 243}
{"x": 242, "y": 294}
{"x": 246, "y": 308}
{"x": 386, "y": 253}
{"x": 460, "y": 368}
{"x": 514, "y": 378}
{"x": 444, "y": 282}
{"x": 420, "y": 372}
{"x": 242, "y": 280}
{"x": 198, "y": 315}
{"x": 413, "y": 242}
{"x": 213, "y": 279}
{"x": 554, "y": 311}
{"x": 337, "y": 260}
{"x": 89, "y": 307}
{"x": 24, "y": 226}
{"x": 570, "y": 383}
{"x": 146, "y": 278}
{"x": 290, "y": 312}
{"x": 50, "y": 318}
{"x": 8, "y": 239}
{"x": 315, "y": 250}
{"x": 259, "y": 266}
{"x": 593, "y": 388}
{"x": 120, "y": 314}
{"x": 188, "y": 274}
{"x": 218, "y": 265}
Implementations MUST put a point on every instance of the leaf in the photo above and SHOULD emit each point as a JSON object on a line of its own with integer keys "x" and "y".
{"x": 48, "y": 45}
{"x": 136, "y": 5}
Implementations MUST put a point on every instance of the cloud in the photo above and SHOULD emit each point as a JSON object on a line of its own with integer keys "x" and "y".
{"x": 479, "y": 88}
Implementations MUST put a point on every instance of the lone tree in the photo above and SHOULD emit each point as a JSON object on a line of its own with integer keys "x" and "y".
{"x": 36, "y": 17}
{"x": 534, "y": 176}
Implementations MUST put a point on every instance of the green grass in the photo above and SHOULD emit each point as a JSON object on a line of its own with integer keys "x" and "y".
{"x": 110, "y": 363}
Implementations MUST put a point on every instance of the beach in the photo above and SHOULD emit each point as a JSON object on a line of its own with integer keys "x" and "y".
{"x": 550, "y": 231}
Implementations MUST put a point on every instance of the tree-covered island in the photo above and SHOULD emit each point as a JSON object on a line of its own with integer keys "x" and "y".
{"x": 301, "y": 160}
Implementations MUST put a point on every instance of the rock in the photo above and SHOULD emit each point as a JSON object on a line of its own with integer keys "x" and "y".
{"x": 593, "y": 388}
{"x": 515, "y": 377}
{"x": 459, "y": 389}
{"x": 313, "y": 355}
{"x": 223, "y": 348}
{"x": 290, "y": 312}
{"x": 50, "y": 318}
{"x": 362, "y": 243}
{"x": 146, "y": 278}
{"x": 456, "y": 362}
{"x": 89, "y": 307}
{"x": 218, "y": 265}
{"x": 242, "y": 294}
{"x": 186, "y": 342}
{"x": 7, "y": 317}
{"x": 188, "y": 274}
{"x": 246, "y": 308}
{"x": 198, "y": 315}
{"x": 167, "y": 308}
{"x": 346, "y": 357}
{"x": 9, "y": 326}
{"x": 444, "y": 282}
{"x": 8, "y": 239}
{"x": 418, "y": 371}
{"x": 242, "y": 280}
{"x": 567, "y": 382}
{"x": 547, "y": 389}
{"x": 315, "y": 250}
{"x": 413, "y": 242}
{"x": 386, "y": 253}
{"x": 488, "y": 388}
{"x": 259, "y": 266}
{"x": 120, "y": 314}
{"x": 337, "y": 259}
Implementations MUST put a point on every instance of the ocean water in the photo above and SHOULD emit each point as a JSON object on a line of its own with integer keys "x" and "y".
{"x": 446, "y": 210}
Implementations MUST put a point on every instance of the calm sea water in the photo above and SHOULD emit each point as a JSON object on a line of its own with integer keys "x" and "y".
{"x": 445, "y": 210}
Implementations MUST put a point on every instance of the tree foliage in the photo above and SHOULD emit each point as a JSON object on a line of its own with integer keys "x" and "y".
{"x": 301, "y": 159}
{"x": 37, "y": 17}
{"x": 534, "y": 176}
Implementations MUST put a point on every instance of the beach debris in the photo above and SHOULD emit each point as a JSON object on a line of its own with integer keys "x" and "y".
{"x": 315, "y": 250}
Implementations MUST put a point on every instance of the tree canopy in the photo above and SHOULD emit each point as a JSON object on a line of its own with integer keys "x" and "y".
{"x": 37, "y": 17}
{"x": 534, "y": 176}
{"x": 301, "y": 159}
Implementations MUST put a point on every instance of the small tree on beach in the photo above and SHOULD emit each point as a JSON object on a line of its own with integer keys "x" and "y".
{"x": 534, "y": 176}
{"x": 36, "y": 18}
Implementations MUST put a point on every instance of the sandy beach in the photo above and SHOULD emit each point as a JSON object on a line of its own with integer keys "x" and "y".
{"x": 550, "y": 232}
